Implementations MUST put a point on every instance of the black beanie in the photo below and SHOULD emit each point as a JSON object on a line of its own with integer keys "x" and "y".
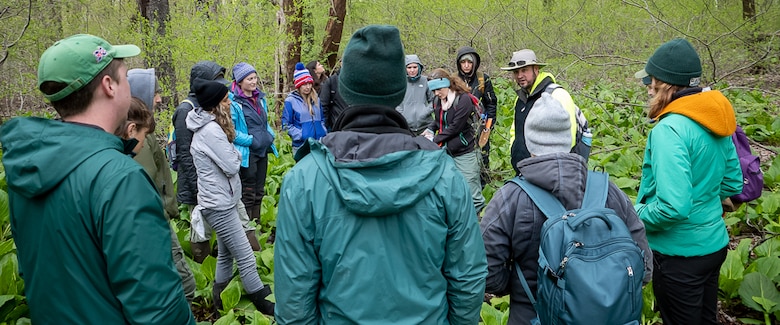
{"x": 209, "y": 93}
{"x": 373, "y": 67}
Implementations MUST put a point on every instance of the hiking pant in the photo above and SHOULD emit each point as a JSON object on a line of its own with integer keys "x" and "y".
{"x": 468, "y": 165}
{"x": 233, "y": 245}
{"x": 242, "y": 216}
{"x": 253, "y": 183}
{"x": 686, "y": 288}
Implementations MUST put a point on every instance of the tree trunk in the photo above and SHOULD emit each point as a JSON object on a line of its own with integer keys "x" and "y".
{"x": 293, "y": 22}
{"x": 333, "y": 32}
{"x": 293, "y": 14}
{"x": 748, "y": 9}
{"x": 156, "y": 15}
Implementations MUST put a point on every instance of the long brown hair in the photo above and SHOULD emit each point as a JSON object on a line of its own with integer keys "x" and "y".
{"x": 456, "y": 83}
{"x": 225, "y": 121}
{"x": 663, "y": 96}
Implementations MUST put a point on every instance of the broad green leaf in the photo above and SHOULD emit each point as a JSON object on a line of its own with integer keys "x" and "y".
{"x": 770, "y": 203}
{"x": 5, "y": 212}
{"x": 758, "y": 286}
{"x": 231, "y": 295}
{"x": 257, "y": 318}
{"x": 731, "y": 274}
{"x": 771, "y": 247}
{"x": 209, "y": 267}
{"x": 743, "y": 248}
{"x": 490, "y": 315}
{"x": 23, "y": 321}
{"x": 228, "y": 319}
{"x": 769, "y": 266}
{"x": 751, "y": 321}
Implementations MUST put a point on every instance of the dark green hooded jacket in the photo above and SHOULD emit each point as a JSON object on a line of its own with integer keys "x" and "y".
{"x": 92, "y": 242}
{"x": 376, "y": 226}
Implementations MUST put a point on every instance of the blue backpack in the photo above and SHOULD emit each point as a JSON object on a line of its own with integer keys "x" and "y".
{"x": 590, "y": 268}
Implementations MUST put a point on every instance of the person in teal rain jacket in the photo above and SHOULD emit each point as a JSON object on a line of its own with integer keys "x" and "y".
{"x": 93, "y": 243}
{"x": 690, "y": 166}
{"x": 375, "y": 225}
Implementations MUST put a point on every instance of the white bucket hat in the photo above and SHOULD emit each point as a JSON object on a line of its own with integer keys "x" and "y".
{"x": 521, "y": 59}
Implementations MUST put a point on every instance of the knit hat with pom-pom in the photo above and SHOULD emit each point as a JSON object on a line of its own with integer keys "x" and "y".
{"x": 301, "y": 76}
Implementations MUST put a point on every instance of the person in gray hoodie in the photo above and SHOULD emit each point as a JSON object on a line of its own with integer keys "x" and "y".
{"x": 144, "y": 86}
{"x": 417, "y": 106}
{"x": 217, "y": 163}
{"x": 512, "y": 223}
{"x": 187, "y": 176}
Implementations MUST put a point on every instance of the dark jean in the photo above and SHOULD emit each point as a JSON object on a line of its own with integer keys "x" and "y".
{"x": 686, "y": 288}
{"x": 253, "y": 182}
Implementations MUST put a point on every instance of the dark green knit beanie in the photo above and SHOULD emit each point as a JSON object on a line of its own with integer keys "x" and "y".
{"x": 373, "y": 69}
{"x": 676, "y": 63}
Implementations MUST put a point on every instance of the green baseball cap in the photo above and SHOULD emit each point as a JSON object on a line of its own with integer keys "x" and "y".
{"x": 76, "y": 60}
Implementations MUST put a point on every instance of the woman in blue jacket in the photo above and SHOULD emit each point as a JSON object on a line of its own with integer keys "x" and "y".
{"x": 302, "y": 115}
{"x": 255, "y": 149}
{"x": 690, "y": 166}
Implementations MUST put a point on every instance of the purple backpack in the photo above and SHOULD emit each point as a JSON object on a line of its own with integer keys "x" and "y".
{"x": 753, "y": 178}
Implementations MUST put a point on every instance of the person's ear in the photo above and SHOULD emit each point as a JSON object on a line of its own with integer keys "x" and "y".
{"x": 132, "y": 129}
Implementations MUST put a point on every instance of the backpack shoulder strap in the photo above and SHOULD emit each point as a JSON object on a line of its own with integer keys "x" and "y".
{"x": 189, "y": 102}
{"x": 596, "y": 190}
{"x": 551, "y": 87}
{"x": 481, "y": 79}
{"x": 548, "y": 203}
{"x": 526, "y": 288}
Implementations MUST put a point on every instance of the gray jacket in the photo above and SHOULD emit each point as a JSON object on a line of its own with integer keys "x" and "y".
{"x": 417, "y": 106}
{"x": 512, "y": 225}
{"x": 216, "y": 160}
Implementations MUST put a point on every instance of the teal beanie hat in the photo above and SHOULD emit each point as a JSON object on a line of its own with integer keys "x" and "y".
{"x": 676, "y": 63}
{"x": 373, "y": 69}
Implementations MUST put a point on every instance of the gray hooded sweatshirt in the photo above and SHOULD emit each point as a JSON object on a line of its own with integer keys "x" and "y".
{"x": 216, "y": 160}
{"x": 417, "y": 106}
{"x": 143, "y": 84}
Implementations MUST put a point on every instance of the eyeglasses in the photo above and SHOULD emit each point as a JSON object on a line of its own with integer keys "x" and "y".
{"x": 516, "y": 63}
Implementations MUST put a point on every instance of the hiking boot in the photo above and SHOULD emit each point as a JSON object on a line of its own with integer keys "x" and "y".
{"x": 262, "y": 305}
{"x": 200, "y": 251}
{"x": 215, "y": 292}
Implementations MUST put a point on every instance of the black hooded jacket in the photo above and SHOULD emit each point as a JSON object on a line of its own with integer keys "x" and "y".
{"x": 187, "y": 183}
{"x": 487, "y": 97}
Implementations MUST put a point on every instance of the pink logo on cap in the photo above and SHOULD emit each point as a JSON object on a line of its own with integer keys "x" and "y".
{"x": 100, "y": 53}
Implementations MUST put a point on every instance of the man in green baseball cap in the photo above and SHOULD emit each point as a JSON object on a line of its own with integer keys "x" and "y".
{"x": 86, "y": 219}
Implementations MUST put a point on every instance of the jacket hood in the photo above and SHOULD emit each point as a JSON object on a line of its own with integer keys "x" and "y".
{"x": 467, "y": 50}
{"x": 413, "y": 58}
{"x": 143, "y": 84}
{"x": 558, "y": 173}
{"x": 33, "y": 151}
{"x": 197, "y": 118}
{"x": 357, "y": 166}
{"x": 709, "y": 108}
{"x": 208, "y": 70}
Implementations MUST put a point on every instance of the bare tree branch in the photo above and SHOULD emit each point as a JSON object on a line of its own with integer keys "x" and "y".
{"x": 8, "y": 46}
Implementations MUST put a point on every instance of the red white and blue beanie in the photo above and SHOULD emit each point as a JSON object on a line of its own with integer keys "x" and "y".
{"x": 301, "y": 76}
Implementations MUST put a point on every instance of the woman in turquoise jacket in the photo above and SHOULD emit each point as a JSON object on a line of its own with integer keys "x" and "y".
{"x": 690, "y": 166}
